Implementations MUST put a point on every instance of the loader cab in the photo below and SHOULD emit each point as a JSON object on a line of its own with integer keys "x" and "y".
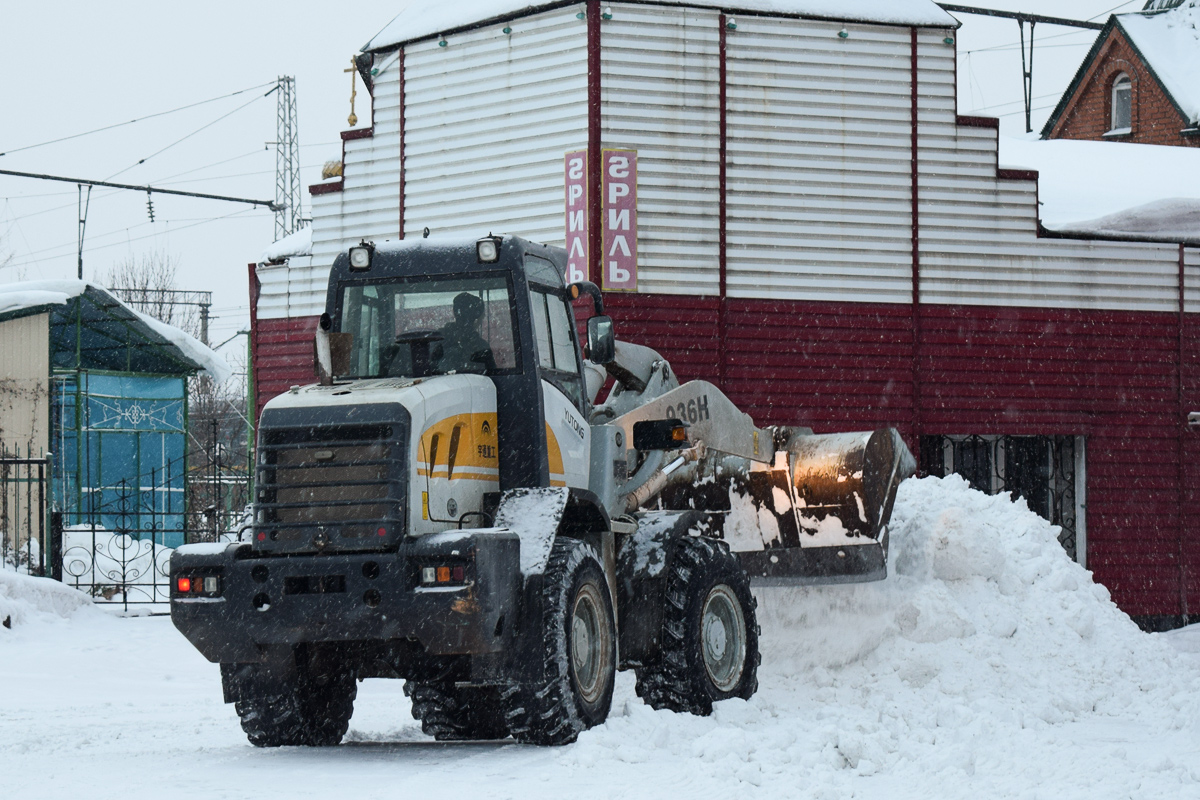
{"x": 496, "y": 306}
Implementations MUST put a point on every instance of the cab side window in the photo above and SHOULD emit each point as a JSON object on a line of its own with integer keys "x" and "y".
{"x": 557, "y": 354}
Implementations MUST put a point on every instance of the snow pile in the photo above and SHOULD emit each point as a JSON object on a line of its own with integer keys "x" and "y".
{"x": 24, "y": 599}
{"x": 1170, "y": 43}
{"x": 421, "y": 18}
{"x": 986, "y": 658}
{"x": 1112, "y": 187}
{"x": 294, "y": 244}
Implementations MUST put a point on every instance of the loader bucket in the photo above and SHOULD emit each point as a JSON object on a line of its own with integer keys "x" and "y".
{"x": 823, "y": 508}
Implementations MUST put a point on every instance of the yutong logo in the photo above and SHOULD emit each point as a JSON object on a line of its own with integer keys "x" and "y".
{"x": 573, "y": 423}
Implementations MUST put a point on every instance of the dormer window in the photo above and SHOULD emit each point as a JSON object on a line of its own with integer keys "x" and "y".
{"x": 1122, "y": 105}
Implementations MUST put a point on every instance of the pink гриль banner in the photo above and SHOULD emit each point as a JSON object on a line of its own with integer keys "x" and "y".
{"x": 619, "y": 195}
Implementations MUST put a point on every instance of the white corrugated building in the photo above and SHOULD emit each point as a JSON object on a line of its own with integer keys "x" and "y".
{"x": 818, "y": 230}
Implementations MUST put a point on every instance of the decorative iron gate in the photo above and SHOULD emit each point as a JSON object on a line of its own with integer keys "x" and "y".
{"x": 24, "y": 495}
{"x": 125, "y": 559}
{"x": 1045, "y": 470}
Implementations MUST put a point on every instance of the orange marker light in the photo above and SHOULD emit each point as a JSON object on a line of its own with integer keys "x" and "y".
{"x": 443, "y": 574}
{"x": 679, "y": 434}
{"x": 184, "y": 585}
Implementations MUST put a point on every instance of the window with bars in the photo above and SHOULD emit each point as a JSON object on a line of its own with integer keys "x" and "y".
{"x": 1048, "y": 471}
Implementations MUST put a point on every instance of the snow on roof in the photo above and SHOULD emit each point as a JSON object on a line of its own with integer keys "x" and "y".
{"x": 1169, "y": 41}
{"x": 423, "y": 18}
{"x": 294, "y": 244}
{"x": 1112, "y": 188}
{"x": 41, "y": 294}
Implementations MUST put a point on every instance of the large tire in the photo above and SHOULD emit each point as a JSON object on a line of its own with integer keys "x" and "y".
{"x": 311, "y": 708}
{"x": 578, "y": 652}
{"x": 450, "y": 713}
{"x": 709, "y": 641}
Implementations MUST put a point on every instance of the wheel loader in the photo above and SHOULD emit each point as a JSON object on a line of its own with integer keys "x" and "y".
{"x": 454, "y": 506}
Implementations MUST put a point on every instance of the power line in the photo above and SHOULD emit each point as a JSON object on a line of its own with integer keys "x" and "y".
{"x": 1021, "y": 16}
{"x": 135, "y": 239}
{"x": 1114, "y": 8}
{"x": 132, "y": 121}
{"x": 270, "y": 204}
{"x": 193, "y": 133}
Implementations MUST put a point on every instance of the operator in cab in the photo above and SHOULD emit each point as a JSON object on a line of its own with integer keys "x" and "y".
{"x": 463, "y": 347}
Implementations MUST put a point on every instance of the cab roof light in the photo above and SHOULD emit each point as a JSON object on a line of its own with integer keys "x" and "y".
{"x": 360, "y": 256}
{"x": 487, "y": 249}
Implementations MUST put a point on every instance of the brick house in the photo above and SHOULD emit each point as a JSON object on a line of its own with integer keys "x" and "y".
{"x": 1140, "y": 82}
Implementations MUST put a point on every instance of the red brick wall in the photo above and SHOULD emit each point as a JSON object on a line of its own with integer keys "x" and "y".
{"x": 1155, "y": 119}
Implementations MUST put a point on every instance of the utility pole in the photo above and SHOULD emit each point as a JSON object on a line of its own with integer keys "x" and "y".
{"x": 149, "y": 190}
{"x": 83, "y": 209}
{"x": 287, "y": 160}
{"x": 1026, "y": 63}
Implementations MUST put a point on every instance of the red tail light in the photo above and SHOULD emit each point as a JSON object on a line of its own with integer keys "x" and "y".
{"x": 184, "y": 585}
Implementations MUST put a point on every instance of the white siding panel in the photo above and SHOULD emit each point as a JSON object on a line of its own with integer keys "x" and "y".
{"x": 368, "y": 207}
{"x": 488, "y": 120}
{"x": 660, "y": 87}
{"x": 25, "y": 386}
{"x": 1191, "y": 280}
{"x": 294, "y": 289}
{"x": 979, "y": 240}
{"x": 819, "y": 203}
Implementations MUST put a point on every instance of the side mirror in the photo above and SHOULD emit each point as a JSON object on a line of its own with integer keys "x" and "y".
{"x": 602, "y": 340}
{"x": 332, "y": 351}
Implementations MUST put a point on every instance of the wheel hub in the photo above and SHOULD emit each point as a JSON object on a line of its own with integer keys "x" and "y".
{"x": 589, "y": 646}
{"x": 723, "y": 637}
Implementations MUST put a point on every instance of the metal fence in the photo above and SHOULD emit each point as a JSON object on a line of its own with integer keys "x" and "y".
{"x": 24, "y": 504}
{"x": 1046, "y": 471}
{"x": 115, "y": 552}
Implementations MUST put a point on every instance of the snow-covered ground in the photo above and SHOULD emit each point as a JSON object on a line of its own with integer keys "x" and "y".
{"x": 988, "y": 665}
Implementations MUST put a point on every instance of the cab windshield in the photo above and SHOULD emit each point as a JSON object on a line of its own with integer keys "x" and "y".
{"x": 430, "y": 326}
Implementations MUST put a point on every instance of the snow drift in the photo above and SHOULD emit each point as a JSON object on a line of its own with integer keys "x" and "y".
{"x": 985, "y": 640}
{"x": 25, "y": 599}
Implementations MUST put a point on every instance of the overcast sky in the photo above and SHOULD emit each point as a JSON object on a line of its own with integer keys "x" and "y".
{"x": 70, "y": 66}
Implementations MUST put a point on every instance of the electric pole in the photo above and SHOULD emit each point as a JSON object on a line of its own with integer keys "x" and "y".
{"x": 287, "y": 160}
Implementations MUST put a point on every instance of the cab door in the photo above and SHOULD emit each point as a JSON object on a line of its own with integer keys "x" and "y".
{"x": 568, "y": 435}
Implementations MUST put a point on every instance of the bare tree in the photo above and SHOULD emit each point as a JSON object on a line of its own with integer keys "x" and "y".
{"x": 149, "y": 283}
{"x": 218, "y": 469}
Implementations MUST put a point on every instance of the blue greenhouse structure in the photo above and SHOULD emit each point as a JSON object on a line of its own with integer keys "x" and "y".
{"x": 115, "y": 403}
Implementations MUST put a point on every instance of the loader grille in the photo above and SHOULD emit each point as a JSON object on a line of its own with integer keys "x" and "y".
{"x": 344, "y": 481}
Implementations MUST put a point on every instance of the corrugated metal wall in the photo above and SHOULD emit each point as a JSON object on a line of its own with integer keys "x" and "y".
{"x": 818, "y": 129}
{"x": 488, "y": 119}
{"x": 1021, "y": 334}
{"x": 1190, "y": 346}
{"x": 1191, "y": 279}
{"x": 659, "y": 88}
{"x": 1016, "y": 333}
{"x": 25, "y": 386}
{"x": 283, "y": 357}
{"x": 978, "y": 231}
{"x": 368, "y": 207}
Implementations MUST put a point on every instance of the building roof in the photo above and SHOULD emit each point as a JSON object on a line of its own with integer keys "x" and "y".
{"x": 1168, "y": 42}
{"x": 1117, "y": 190}
{"x": 424, "y": 18}
{"x": 107, "y": 323}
